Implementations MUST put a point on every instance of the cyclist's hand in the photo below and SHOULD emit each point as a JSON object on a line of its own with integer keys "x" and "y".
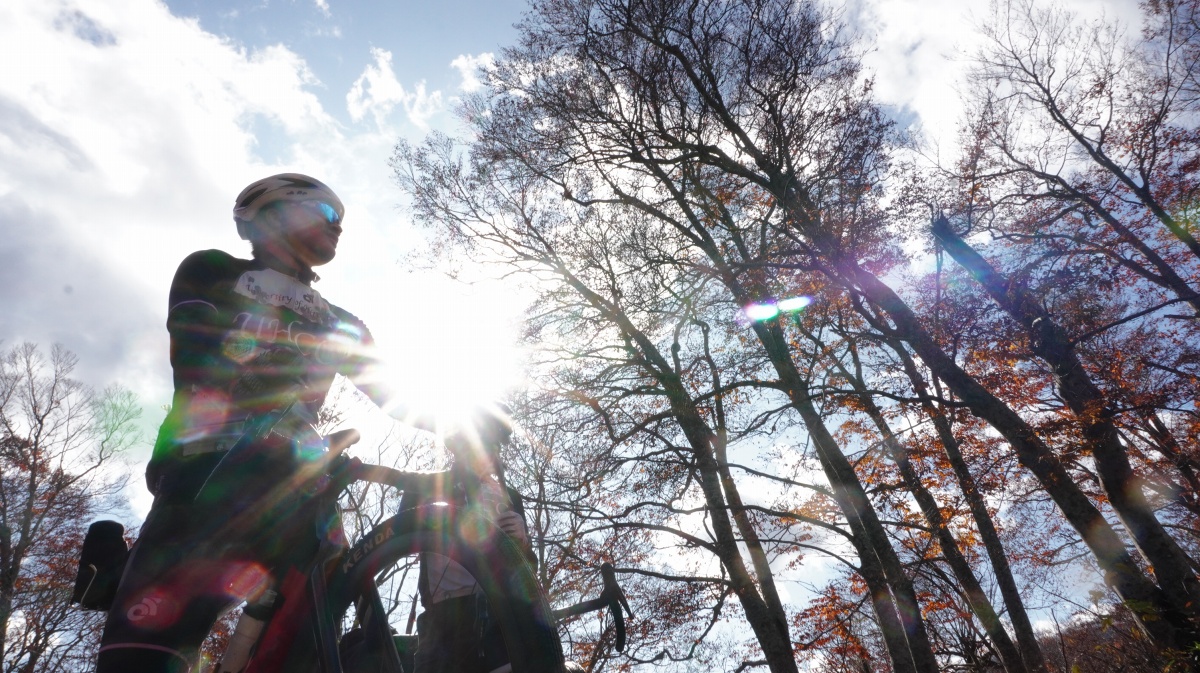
{"x": 492, "y": 424}
{"x": 512, "y": 523}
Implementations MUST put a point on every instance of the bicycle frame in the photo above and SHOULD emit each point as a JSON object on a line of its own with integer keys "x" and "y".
{"x": 304, "y": 601}
{"x": 305, "y": 628}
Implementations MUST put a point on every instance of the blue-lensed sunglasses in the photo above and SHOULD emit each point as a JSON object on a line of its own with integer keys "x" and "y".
{"x": 327, "y": 211}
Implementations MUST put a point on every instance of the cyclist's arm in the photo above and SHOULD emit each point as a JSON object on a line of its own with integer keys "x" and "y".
{"x": 195, "y": 323}
{"x": 365, "y": 370}
{"x": 518, "y": 509}
{"x": 419, "y": 488}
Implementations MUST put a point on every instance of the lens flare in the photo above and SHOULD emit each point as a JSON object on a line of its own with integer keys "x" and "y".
{"x": 246, "y": 580}
{"x": 759, "y": 312}
{"x": 794, "y": 304}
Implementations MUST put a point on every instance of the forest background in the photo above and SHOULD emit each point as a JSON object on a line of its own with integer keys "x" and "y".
{"x": 830, "y": 396}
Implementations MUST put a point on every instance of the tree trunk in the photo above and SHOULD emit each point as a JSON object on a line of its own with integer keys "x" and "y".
{"x": 1031, "y": 650}
{"x": 1153, "y": 610}
{"x": 758, "y": 555}
{"x": 773, "y": 637}
{"x": 877, "y": 557}
{"x": 1095, "y": 415}
{"x": 8, "y": 576}
{"x": 887, "y": 615}
{"x": 976, "y": 598}
{"x": 850, "y": 495}
{"x": 1166, "y": 444}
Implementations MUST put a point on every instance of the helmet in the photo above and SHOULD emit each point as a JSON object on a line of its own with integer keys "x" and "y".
{"x": 493, "y": 423}
{"x": 487, "y": 428}
{"x": 282, "y": 187}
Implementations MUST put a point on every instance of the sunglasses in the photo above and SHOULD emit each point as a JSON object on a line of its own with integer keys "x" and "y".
{"x": 327, "y": 211}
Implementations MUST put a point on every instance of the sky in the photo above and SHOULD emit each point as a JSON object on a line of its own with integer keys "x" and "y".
{"x": 128, "y": 126}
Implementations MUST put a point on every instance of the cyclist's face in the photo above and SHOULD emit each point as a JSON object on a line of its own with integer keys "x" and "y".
{"x": 305, "y": 230}
{"x": 475, "y": 459}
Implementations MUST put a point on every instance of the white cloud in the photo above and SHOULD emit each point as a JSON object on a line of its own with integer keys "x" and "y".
{"x": 125, "y": 133}
{"x": 123, "y": 137}
{"x": 322, "y": 5}
{"x": 377, "y": 91}
{"x": 468, "y": 66}
{"x": 922, "y": 49}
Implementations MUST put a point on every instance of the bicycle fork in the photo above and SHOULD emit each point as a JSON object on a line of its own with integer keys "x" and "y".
{"x": 245, "y": 636}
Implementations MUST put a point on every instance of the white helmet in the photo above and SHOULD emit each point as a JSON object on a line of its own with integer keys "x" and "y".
{"x": 282, "y": 187}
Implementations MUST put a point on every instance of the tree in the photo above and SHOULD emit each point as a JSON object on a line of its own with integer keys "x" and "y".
{"x": 1095, "y": 413}
{"x": 61, "y": 462}
{"x": 1100, "y": 642}
{"x": 734, "y": 98}
{"x": 575, "y": 482}
{"x": 697, "y": 227}
{"x": 1078, "y": 168}
{"x": 642, "y": 387}
{"x": 661, "y": 168}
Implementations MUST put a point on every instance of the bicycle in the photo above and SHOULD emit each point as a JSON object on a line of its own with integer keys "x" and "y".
{"x": 304, "y": 614}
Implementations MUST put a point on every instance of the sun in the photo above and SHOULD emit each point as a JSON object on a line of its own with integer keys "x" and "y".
{"x": 449, "y": 378}
{"x": 453, "y": 349}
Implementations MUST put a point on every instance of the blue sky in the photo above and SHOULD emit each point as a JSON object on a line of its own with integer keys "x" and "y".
{"x": 336, "y": 38}
{"x": 128, "y": 126}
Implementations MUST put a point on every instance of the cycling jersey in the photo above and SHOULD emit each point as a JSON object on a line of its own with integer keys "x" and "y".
{"x": 242, "y": 337}
{"x": 457, "y": 634}
{"x": 245, "y": 339}
{"x": 441, "y": 578}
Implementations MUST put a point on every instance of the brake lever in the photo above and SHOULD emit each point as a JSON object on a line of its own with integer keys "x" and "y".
{"x": 341, "y": 440}
{"x": 611, "y": 597}
{"x": 616, "y": 600}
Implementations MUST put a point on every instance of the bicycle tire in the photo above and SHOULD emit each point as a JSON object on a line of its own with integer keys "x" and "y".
{"x": 515, "y": 600}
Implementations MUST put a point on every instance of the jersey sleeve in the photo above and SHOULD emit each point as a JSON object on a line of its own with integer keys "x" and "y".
{"x": 365, "y": 370}
{"x": 518, "y": 506}
{"x": 194, "y": 318}
{"x": 360, "y": 358}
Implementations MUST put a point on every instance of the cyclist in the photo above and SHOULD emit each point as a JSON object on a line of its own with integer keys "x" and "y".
{"x": 456, "y": 633}
{"x": 248, "y": 336}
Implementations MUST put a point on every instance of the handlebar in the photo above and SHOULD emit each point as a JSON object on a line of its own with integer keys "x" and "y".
{"x": 341, "y": 440}
{"x": 611, "y": 597}
{"x": 343, "y": 470}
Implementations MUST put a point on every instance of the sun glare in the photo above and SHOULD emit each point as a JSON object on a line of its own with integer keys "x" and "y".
{"x": 794, "y": 304}
{"x": 455, "y": 352}
{"x": 761, "y": 311}
{"x": 449, "y": 379}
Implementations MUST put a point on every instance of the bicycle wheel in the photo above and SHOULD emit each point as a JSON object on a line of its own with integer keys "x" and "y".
{"x": 515, "y": 600}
